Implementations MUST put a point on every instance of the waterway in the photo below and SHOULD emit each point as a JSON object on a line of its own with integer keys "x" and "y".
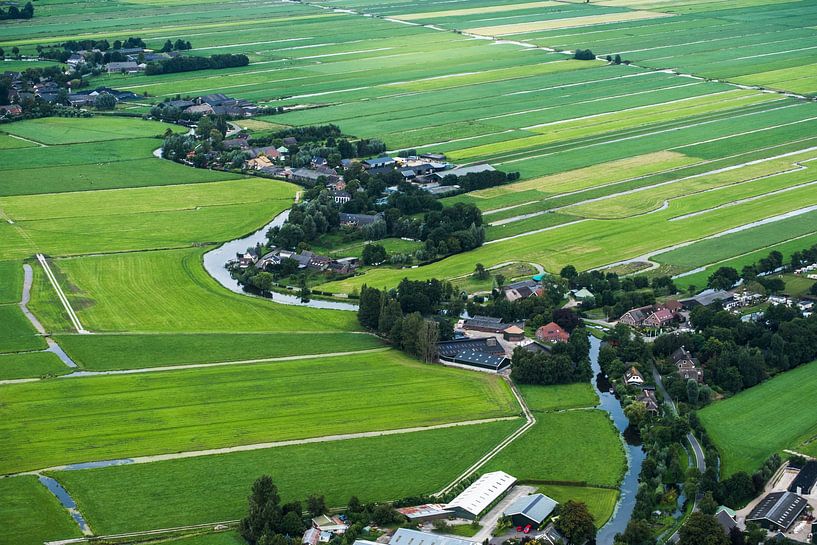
{"x": 215, "y": 262}
{"x": 632, "y": 446}
{"x": 67, "y": 502}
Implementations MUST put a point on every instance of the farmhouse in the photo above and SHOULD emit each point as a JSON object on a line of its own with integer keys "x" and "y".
{"x": 522, "y": 290}
{"x": 424, "y": 513}
{"x": 659, "y": 318}
{"x": 648, "y": 399}
{"x": 341, "y": 197}
{"x": 778, "y": 511}
{"x": 332, "y": 524}
{"x": 805, "y": 480}
{"x": 406, "y": 536}
{"x": 632, "y": 377}
{"x": 477, "y": 498}
{"x": 533, "y": 510}
{"x": 552, "y": 333}
{"x": 634, "y": 317}
{"x": 688, "y": 367}
{"x": 312, "y": 177}
{"x": 126, "y": 67}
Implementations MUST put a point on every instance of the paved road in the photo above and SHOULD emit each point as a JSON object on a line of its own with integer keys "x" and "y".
{"x": 700, "y": 460}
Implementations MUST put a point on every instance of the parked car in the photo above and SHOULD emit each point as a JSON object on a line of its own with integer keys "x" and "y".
{"x": 518, "y": 528}
{"x": 527, "y": 529}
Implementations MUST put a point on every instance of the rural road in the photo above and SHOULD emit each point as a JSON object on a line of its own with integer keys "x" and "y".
{"x": 700, "y": 460}
{"x": 262, "y": 446}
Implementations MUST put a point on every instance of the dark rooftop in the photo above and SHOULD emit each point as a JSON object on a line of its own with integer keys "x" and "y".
{"x": 779, "y": 508}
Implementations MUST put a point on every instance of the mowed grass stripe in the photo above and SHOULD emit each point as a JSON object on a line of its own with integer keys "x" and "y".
{"x": 98, "y": 418}
{"x": 569, "y": 22}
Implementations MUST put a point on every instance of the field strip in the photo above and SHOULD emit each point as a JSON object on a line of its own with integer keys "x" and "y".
{"x": 474, "y": 11}
{"x": 535, "y": 231}
{"x": 264, "y": 446}
{"x": 63, "y": 299}
{"x": 676, "y": 46}
{"x": 568, "y": 22}
{"x": 671, "y": 129}
{"x": 505, "y": 208}
{"x": 40, "y": 144}
{"x": 251, "y": 43}
{"x": 143, "y": 533}
{"x": 738, "y": 256}
{"x": 772, "y": 219}
{"x": 701, "y": 175}
{"x": 775, "y": 53}
{"x": 530, "y": 421}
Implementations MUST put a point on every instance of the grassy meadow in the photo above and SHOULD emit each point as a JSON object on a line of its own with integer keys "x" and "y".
{"x": 31, "y": 515}
{"x": 775, "y": 415}
{"x": 121, "y": 416}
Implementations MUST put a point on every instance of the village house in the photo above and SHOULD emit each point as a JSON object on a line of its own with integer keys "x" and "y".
{"x": 648, "y": 399}
{"x": 634, "y": 317}
{"x": 125, "y": 67}
{"x": 313, "y": 177}
{"x": 258, "y": 163}
{"x": 552, "y": 333}
{"x": 688, "y": 367}
{"x": 659, "y": 318}
{"x": 522, "y": 290}
{"x": 633, "y": 378}
{"x": 341, "y": 197}
{"x": 11, "y": 110}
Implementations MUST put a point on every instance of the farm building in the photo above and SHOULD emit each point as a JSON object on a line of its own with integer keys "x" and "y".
{"x": 489, "y": 324}
{"x": 659, "y": 318}
{"x": 464, "y": 171}
{"x": 805, "y": 480}
{"x": 358, "y": 220}
{"x": 425, "y": 512}
{"x": 534, "y": 346}
{"x": 533, "y": 510}
{"x": 406, "y": 536}
{"x": 583, "y": 295}
{"x": 778, "y": 511}
{"x": 649, "y": 400}
{"x": 552, "y": 333}
{"x": 379, "y": 162}
{"x": 634, "y": 317}
{"x": 727, "y": 518}
{"x": 522, "y": 290}
{"x": 482, "y": 493}
{"x": 706, "y": 298}
{"x": 480, "y": 360}
{"x": 514, "y": 334}
{"x": 332, "y": 524}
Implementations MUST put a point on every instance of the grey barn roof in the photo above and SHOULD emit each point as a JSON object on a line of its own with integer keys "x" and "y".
{"x": 406, "y": 536}
{"x": 779, "y": 508}
{"x": 481, "y": 359}
{"x": 536, "y": 507}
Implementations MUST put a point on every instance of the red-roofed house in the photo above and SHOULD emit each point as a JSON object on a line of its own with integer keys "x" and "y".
{"x": 552, "y": 333}
{"x": 659, "y": 318}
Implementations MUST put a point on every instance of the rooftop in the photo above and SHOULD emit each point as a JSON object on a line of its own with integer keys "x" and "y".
{"x": 536, "y": 507}
{"x": 482, "y": 492}
{"x": 780, "y": 508}
{"x": 405, "y": 536}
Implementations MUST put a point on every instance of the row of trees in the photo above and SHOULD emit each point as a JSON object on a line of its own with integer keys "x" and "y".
{"x": 480, "y": 180}
{"x": 726, "y": 277}
{"x": 189, "y": 64}
{"x": 178, "y": 45}
{"x": 566, "y": 363}
{"x": 13, "y": 12}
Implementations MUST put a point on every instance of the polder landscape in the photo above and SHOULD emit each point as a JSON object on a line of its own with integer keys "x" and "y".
{"x": 571, "y": 241}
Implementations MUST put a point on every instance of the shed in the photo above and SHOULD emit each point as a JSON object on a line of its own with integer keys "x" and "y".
{"x": 533, "y": 510}
{"x": 480, "y": 495}
{"x": 514, "y": 334}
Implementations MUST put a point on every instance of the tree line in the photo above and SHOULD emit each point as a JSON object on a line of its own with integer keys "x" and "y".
{"x": 189, "y": 64}
{"x": 13, "y": 12}
{"x": 756, "y": 273}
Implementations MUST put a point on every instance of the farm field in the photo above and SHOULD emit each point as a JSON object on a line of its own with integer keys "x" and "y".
{"x": 128, "y": 415}
{"x": 11, "y": 281}
{"x": 30, "y": 365}
{"x": 72, "y": 130}
{"x": 31, "y": 515}
{"x": 600, "y": 501}
{"x": 753, "y": 425}
{"x": 559, "y": 397}
{"x": 378, "y": 468}
{"x": 17, "y": 333}
{"x": 129, "y": 351}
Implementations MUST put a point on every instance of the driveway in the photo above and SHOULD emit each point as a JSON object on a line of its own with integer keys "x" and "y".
{"x": 489, "y": 521}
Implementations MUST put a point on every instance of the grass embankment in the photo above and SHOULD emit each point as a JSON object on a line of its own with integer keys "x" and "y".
{"x": 98, "y": 418}
{"x": 213, "y": 488}
{"x": 778, "y": 414}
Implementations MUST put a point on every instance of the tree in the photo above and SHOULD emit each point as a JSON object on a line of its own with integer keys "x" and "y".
{"x": 167, "y": 47}
{"x": 638, "y": 532}
{"x": 708, "y": 505}
{"x": 316, "y": 505}
{"x": 723, "y": 279}
{"x": 584, "y": 55}
{"x": 693, "y": 392}
{"x": 481, "y": 273}
{"x": 264, "y": 510}
{"x": 576, "y": 523}
{"x": 427, "y": 337}
{"x": 105, "y": 101}
{"x": 374, "y": 254}
{"x": 569, "y": 272}
{"x": 368, "y": 312}
{"x": 702, "y": 529}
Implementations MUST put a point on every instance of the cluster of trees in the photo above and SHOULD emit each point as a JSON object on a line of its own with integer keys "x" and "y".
{"x": 189, "y": 64}
{"x": 537, "y": 311}
{"x": 737, "y": 355}
{"x": 31, "y": 76}
{"x": 616, "y": 59}
{"x": 726, "y": 277}
{"x": 178, "y": 45}
{"x": 480, "y": 180}
{"x": 269, "y": 522}
{"x": 567, "y": 362}
{"x": 618, "y": 295}
{"x": 13, "y": 12}
{"x": 307, "y": 222}
{"x": 403, "y": 315}
{"x": 325, "y": 141}
{"x": 37, "y": 108}
{"x": 584, "y": 55}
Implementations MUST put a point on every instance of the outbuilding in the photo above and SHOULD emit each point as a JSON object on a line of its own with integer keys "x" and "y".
{"x": 480, "y": 495}
{"x": 533, "y": 510}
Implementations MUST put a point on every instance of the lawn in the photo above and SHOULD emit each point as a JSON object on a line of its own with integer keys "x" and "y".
{"x": 74, "y": 130}
{"x": 17, "y": 333}
{"x": 559, "y": 397}
{"x": 98, "y": 418}
{"x": 778, "y": 414}
{"x": 581, "y": 446}
{"x": 123, "y": 351}
{"x": 213, "y": 488}
{"x": 167, "y": 291}
{"x": 600, "y": 501}
{"x": 31, "y": 365}
{"x": 31, "y": 515}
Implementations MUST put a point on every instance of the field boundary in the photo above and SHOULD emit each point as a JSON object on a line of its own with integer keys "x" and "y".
{"x": 72, "y": 315}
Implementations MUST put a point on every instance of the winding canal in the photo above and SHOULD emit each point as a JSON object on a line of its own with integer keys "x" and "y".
{"x": 632, "y": 446}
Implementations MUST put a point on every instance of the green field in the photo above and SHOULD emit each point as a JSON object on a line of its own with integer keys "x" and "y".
{"x": 31, "y": 515}
{"x": 600, "y": 501}
{"x": 17, "y": 333}
{"x": 99, "y": 418}
{"x": 31, "y": 365}
{"x": 753, "y": 425}
{"x": 559, "y": 397}
{"x": 124, "y": 351}
{"x": 213, "y": 488}
{"x": 68, "y": 130}
{"x": 11, "y": 281}
{"x": 123, "y": 292}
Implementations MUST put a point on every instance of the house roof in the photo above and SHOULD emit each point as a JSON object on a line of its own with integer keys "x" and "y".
{"x": 379, "y": 161}
{"x": 482, "y": 493}
{"x": 452, "y": 348}
{"x": 406, "y": 536}
{"x": 536, "y": 507}
{"x": 481, "y": 359}
{"x": 780, "y": 508}
{"x": 423, "y": 511}
{"x": 360, "y": 219}
{"x": 552, "y": 331}
{"x": 583, "y": 293}
{"x": 726, "y": 521}
{"x": 806, "y": 478}
{"x": 661, "y": 315}
{"x": 514, "y": 330}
